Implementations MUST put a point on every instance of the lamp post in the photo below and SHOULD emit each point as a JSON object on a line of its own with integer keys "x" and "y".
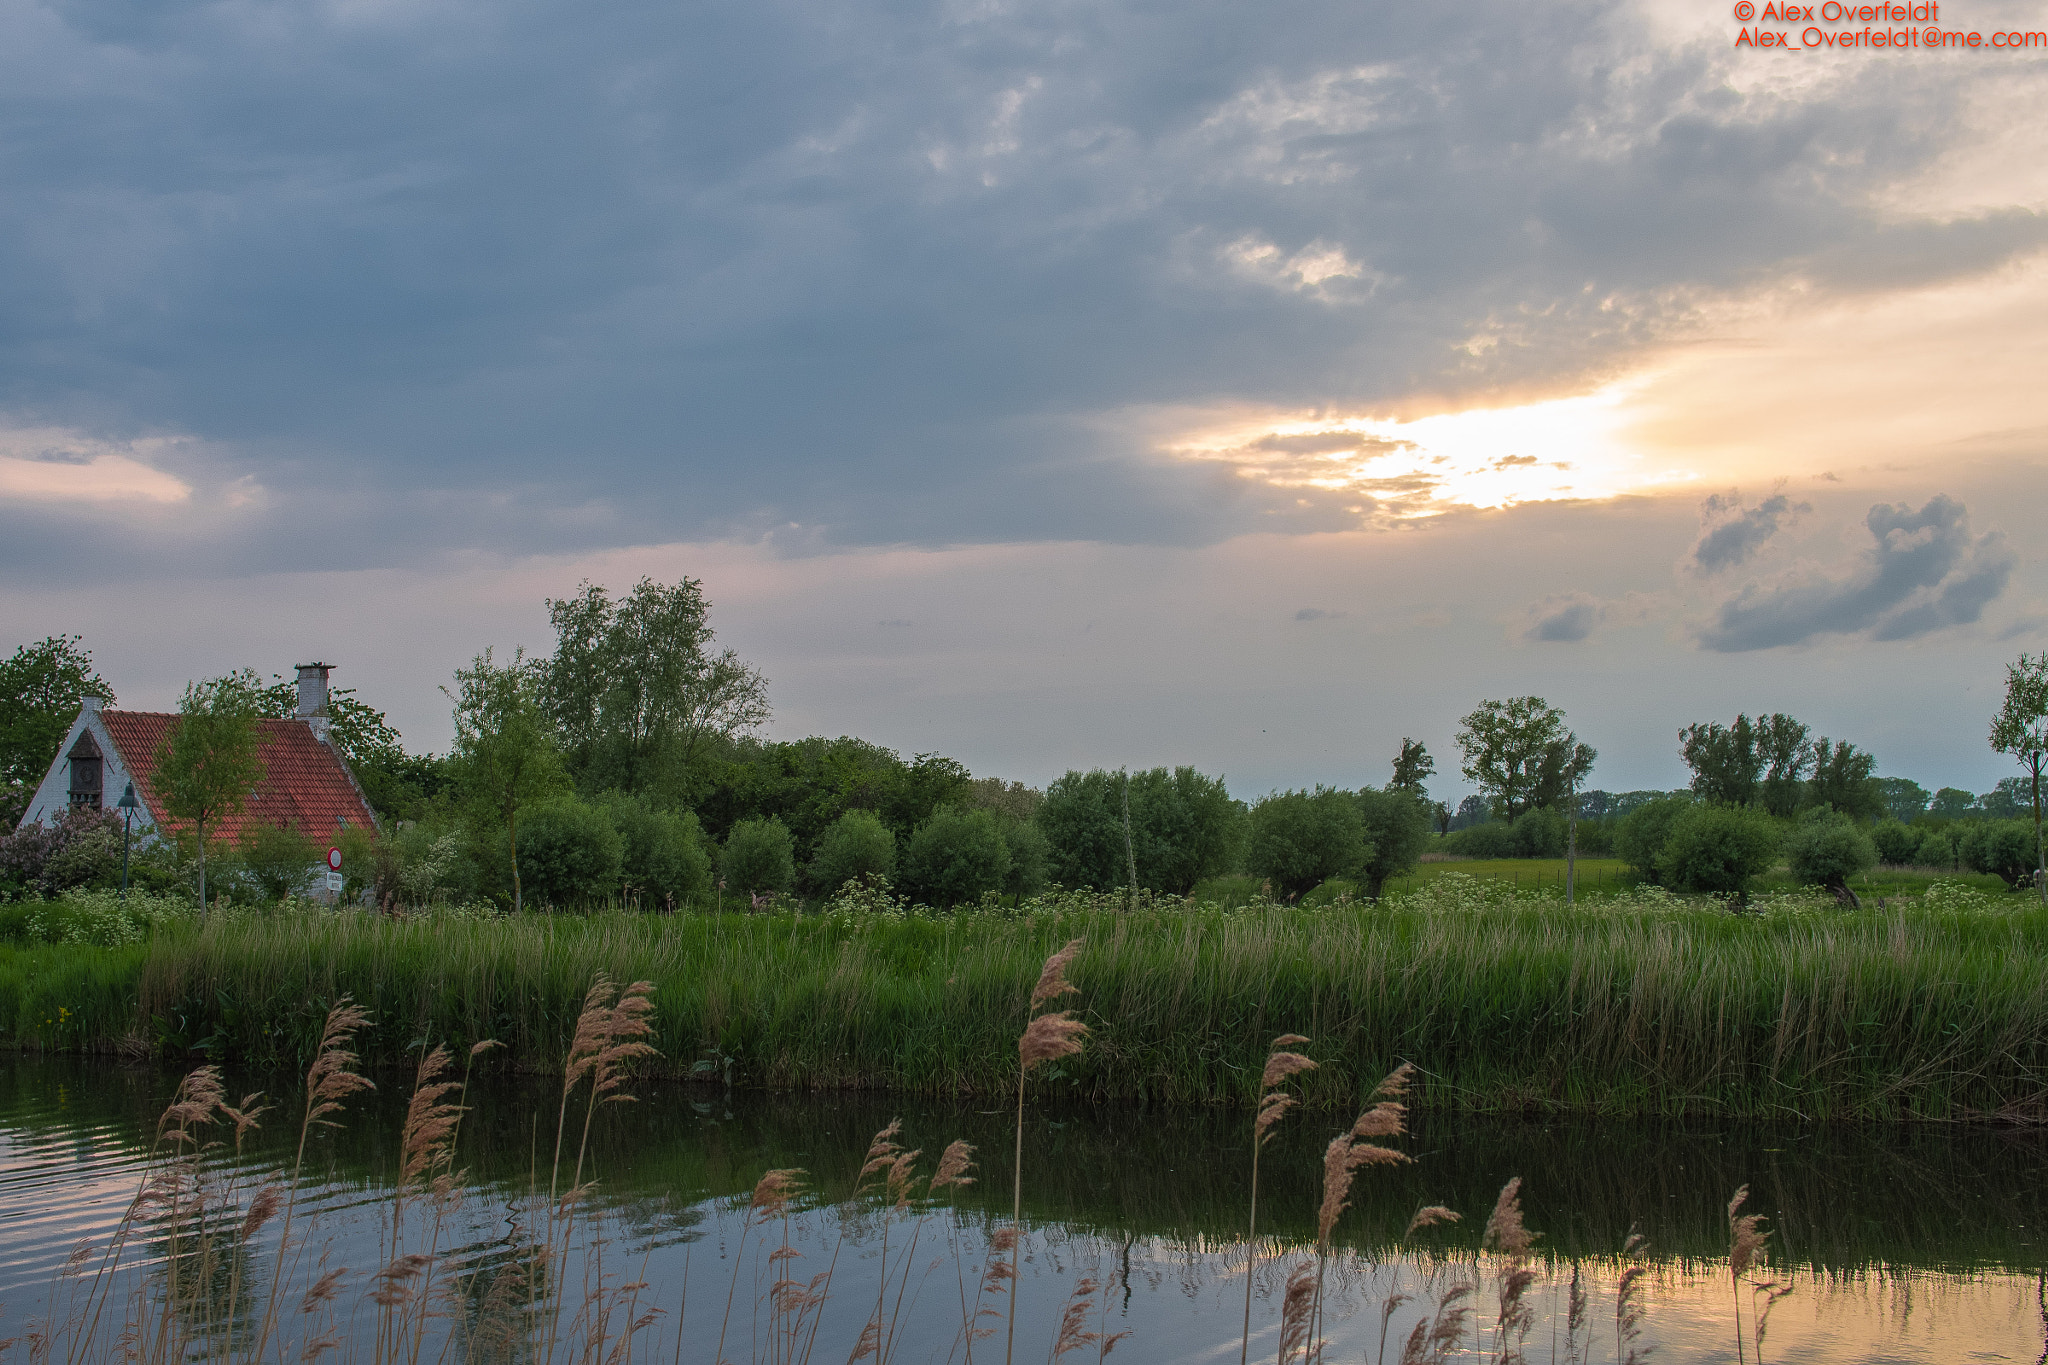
{"x": 127, "y": 805}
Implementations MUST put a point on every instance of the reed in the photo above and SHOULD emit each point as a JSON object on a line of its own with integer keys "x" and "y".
{"x": 1641, "y": 1005}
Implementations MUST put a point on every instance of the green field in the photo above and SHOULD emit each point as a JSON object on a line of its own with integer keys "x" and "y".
{"x": 1643, "y": 1003}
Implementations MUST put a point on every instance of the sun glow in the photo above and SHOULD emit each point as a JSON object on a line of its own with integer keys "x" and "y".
{"x": 1562, "y": 448}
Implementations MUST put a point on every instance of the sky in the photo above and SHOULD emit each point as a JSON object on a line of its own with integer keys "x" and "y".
{"x": 1047, "y": 384}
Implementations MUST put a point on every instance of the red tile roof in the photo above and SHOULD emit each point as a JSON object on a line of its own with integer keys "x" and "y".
{"x": 305, "y": 785}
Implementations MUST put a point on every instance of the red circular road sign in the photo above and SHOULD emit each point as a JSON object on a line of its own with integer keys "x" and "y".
{"x": 334, "y": 860}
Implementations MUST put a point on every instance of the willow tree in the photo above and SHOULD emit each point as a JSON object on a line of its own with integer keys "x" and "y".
{"x": 504, "y": 756}
{"x": 2020, "y": 730}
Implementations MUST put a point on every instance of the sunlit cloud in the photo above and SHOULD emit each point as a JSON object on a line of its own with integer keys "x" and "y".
{"x": 54, "y": 465}
{"x": 1571, "y": 448}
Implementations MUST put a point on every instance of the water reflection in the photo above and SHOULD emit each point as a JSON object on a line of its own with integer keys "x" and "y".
{"x": 1910, "y": 1244}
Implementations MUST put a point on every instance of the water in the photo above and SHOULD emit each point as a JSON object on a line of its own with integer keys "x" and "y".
{"x": 1904, "y": 1244}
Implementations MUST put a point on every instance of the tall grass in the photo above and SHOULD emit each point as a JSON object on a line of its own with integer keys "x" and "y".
{"x": 1647, "y": 1005}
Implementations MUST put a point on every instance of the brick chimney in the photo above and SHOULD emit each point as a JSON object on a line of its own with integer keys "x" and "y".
{"x": 313, "y": 697}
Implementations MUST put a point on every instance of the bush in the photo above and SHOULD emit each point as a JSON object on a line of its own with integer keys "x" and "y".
{"x": 956, "y": 857}
{"x": 1184, "y": 827}
{"x": 1539, "y": 833}
{"x": 666, "y": 863}
{"x": 1639, "y": 837}
{"x": 1300, "y": 840}
{"x": 856, "y": 845}
{"x": 82, "y": 849}
{"x": 1826, "y": 849}
{"x": 1717, "y": 849}
{"x": 570, "y": 854}
{"x": 277, "y": 860}
{"x": 758, "y": 857}
{"x": 2002, "y": 847}
{"x": 1895, "y": 843}
{"x": 1494, "y": 839}
{"x": 1030, "y": 856}
{"x": 1397, "y": 826}
{"x": 1937, "y": 849}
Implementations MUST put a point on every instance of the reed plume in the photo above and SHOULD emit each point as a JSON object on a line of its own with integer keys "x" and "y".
{"x": 1046, "y": 1038}
{"x": 1628, "y": 1303}
{"x": 1274, "y": 1103}
{"x": 1745, "y": 1243}
{"x": 1508, "y": 1238}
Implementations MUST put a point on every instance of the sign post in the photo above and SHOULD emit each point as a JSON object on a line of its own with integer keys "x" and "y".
{"x": 334, "y": 869}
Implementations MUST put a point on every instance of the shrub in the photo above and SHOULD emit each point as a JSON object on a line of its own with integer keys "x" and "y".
{"x": 2002, "y": 847}
{"x": 856, "y": 845}
{"x": 570, "y": 853}
{"x": 1184, "y": 827}
{"x": 1895, "y": 843}
{"x": 1937, "y": 849}
{"x": 1826, "y": 849}
{"x": 1639, "y": 838}
{"x": 1301, "y": 839}
{"x": 83, "y": 848}
{"x": 277, "y": 860}
{"x": 1717, "y": 849}
{"x": 1494, "y": 839}
{"x": 1539, "y": 833}
{"x": 1030, "y": 856}
{"x": 758, "y": 857}
{"x": 665, "y": 859}
{"x": 956, "y": 857}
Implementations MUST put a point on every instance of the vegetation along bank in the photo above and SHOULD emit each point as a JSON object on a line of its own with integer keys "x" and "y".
{"x": 1644, "y": 1003}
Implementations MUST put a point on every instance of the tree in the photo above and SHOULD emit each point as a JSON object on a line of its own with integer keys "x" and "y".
{"x": 956, "y": 857}
{"x": 278, "y": 858}
{"x": 504, "y": 759}
{"x": 2020, "y": 731}
{"x": 1396, "y": 828}
{"x": 1717, "y": 849}
{"x": 1300, "y": 839}
{"x": 1505, "y": 745}
{"x": 1902, "y": 798}
{"x": 1781, "y": 741}
{"x": 758, "y": 857}
{"x": 208, "y": 767}
{"x": 856, "y": 845}
{"x": 635, "y": 688}
{"x": 1639, "y": 838}
{"x": 1826, "y": 849}
{"x": 1563, "y": 769}
{"x": 1185, "y": 826}
{"x": 1842, "y": 780}
{"x": 572, "y": 854}
{"x": 1951, "y": 803}
{"x": 1895, "y": 843}
{"x": 41, "y": 688}
{"x": 2004, "y": 848}
{"x": 1412, "y": 767}
{"x": 665, "y": 858}
{"x": 1937, "y": 848}
{"x": 1727, "y": 767}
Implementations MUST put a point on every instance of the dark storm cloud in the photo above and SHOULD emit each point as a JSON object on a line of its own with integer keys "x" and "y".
{"x": 452, "y": 275}
{"x": 1735, "y": 532}
{"x": 1925, "y": 571}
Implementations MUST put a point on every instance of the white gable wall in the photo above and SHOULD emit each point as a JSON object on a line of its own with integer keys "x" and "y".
{"x": 53, "y": 797}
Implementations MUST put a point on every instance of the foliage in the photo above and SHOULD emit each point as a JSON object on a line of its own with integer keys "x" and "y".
{"x": 856, "y": 845}
{"x": 1184, "y": 826}
{"x": 1639, "y": 838}
{"x": 1519, "y": 753}
{"x": 82, "y": 849}
{"x": 1842, "y": 780}
{"x": 503, "y": 760}
{"x": 1013, "y": 800}
{"x": 397, "y": 784}
{"x": 1903, "y": 799}
{"x": 1413, "y": 766}
{"x": 207, "y": 769}
{"x": 1895, "y": 843}
{"x": 1299, "y": 839}
{"x": 1717, "y": 849}
{"x": 1937, "y": 848}
{"x": 571, "y": 854}
{"x": 2020, "y": 731}
{"x": 1397, "y": 829}
{"x": 666, "y": 864}
{"x": 41, "y": 688}
{"x": 809, "y": 783}
{"x": 2004, "y": 848}
{"x": 956, "y": 857}
{"x": 635, "y": 687}
{"x": 1030, "y": 856}
{"x": 1826, "y": 849}
{"x": 1951, "y": 803}
{"x": 758, "y": 857}
{"x": 278, "y": 859}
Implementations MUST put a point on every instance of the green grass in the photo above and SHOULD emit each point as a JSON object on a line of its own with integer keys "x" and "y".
{"x": 1641, "y": 1004}
{"x": 1596, "y": 876}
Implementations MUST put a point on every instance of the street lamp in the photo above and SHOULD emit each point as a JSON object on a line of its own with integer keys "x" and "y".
{"x": 127, "y": 805}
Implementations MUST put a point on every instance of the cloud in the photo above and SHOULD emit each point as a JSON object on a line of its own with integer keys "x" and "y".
{"x": 1734, "y": 533}
{"x": 1316, "y": 614}
{"x": 1924, "y": 573}
{"x": 1564, "y": 620}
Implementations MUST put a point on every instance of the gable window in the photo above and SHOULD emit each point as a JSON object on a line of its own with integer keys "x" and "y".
{"x": 86, "y": 771}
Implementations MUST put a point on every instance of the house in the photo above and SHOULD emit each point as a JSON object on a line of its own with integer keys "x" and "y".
{"x": 307, "y": 785}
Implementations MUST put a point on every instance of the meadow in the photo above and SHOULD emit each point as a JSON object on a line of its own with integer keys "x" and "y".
{"x": 1630, "y": 1003}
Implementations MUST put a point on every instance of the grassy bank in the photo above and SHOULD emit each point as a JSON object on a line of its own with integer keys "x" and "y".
{"x": 1641, "y": 1004}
